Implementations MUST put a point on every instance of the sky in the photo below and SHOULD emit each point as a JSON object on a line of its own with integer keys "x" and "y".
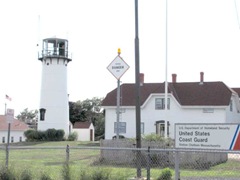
{"x": 200, "y": 36}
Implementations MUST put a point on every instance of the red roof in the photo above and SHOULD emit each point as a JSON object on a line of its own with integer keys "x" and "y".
{"x": 237, "y": 90}
{"x": 186, "y": 93}
{"x": 81, "y": 125}
{"x": 15, "y": 126}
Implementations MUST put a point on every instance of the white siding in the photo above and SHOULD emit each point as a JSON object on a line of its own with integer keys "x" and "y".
{"x": 232, "y": 116}
{"x": 54, "y": 95}
{"x": 84, "y": 134}
{"x": 176, "y": 114}
{"x": 15, "y": 134}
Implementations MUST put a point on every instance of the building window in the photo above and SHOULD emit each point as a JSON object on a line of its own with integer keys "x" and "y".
{"x": 12, "y": 139}
{"x": 3, "y": 139}
{"x": 121, "y": 127}
{"x": 231, "y": 105}
{"x": 20, "y": 139}
{"x": 160, "y": 103}
{"x": 142, "y": 128}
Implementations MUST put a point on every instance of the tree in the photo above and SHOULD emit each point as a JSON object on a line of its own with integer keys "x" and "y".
{"x": 76, "y": 112}
{"x": 88, "y": 110}
{"x": 30, "y": 117}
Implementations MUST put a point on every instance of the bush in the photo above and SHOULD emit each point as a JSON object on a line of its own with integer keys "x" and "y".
{"x": 48, "y": 135}
{"x": 26, "y": 175}
{"x": 66, "y": 172}
{"x": 41, "y": 136}
{"x": 6, "y": 174}
{"x": 28, "y": 132}
{"x": 45, "y": 177}
{"x": 60, "y": 135}
{"x": 73, "y": 136}
{"x": 166, "y": 174}
{"x": 153, "y": 137}
{"x": 95, "y": 174}
{"x": 51, "y": 134}
{"x": 84, "y": 175}
{"x": 100, "y": 174}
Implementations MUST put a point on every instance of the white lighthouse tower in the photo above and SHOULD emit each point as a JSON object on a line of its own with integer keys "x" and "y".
{"x": 54, "y": 107}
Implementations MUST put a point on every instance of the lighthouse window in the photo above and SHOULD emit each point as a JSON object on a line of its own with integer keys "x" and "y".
{"x": 61, "y": 49}
{"x": 42, "y": 114}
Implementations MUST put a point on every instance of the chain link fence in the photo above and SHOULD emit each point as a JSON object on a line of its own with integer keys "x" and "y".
{"x": 122, "y": 163}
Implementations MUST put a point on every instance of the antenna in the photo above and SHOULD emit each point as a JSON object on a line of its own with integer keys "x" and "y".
{"x": 235, "y": 2}
{"x": 39, "y": 31}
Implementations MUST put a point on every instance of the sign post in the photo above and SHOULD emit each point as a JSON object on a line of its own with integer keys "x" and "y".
{"x": 9, "y": 118}
{"x": 118, "y": 67}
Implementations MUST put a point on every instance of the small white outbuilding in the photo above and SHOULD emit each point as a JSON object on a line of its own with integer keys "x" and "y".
{"x": 16, "y": 130}
{"x": 85, "y": 131}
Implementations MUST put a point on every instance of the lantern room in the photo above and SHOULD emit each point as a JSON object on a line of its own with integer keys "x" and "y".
{"x": 54, "y": 47}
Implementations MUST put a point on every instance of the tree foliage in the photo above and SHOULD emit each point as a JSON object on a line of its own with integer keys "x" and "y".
{"x": 88, "y": 110}
{"x": 28, "y": 116}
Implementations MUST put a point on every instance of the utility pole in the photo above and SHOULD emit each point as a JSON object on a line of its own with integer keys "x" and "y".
{"x": 137, "y": 84}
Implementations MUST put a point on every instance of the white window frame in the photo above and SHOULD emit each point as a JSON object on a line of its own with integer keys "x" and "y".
{"x": 142, "y": 127}
{"x": 160, "y": 103}
{"x": 231, "y": 105}
{"x": 122, "y": 127}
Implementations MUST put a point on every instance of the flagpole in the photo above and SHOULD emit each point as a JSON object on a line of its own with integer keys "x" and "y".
{"x": 5, "y": 111}
{"x": 166, "y": 73}
{"x": 9, "y": 129}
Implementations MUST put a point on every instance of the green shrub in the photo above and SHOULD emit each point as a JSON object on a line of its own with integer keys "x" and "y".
{"x": 51, "y": 134}
{"x": 73, "y": 136}
{"x": 26, "y": 175}
{"x": 45, "y": 177}
{"x": 84, "y": 175}
{"x": 41, "y": 136}
{"x": 66, "y": 175}
{"x": 48, "y": 135}
{"x": 60, "y": 134}
{"x": 152, "y": 137}
{"x": 100, "y": 174}
{"x": 30, "y": 134}
{"x": 6, "y": 174}
{"x": 166, "y": 174}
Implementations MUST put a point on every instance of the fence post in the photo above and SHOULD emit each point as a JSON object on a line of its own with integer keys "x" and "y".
{"x": 177, "y": 173}
{"x": 7, "y": 146}
{"x": 67, "y": 154}
{"x": 148, "y": 163}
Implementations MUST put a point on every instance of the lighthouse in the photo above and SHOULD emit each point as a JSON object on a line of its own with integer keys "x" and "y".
{"x": 54, "y": 106}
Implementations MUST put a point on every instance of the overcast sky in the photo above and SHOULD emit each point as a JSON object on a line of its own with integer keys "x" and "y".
{"x": 203, "y": 35}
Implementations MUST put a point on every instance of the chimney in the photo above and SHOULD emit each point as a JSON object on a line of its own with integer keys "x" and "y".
{"x": 201, "y": 77}
{"x": 141, "y": 78}
{"x": 174, "y": 78}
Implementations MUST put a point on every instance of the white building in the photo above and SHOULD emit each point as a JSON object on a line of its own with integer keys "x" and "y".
{"x": 54, "y": 107}
{"x": 85, "y": 131}
{"x": 188, "y": 102}
{"x": 17, "y": 130}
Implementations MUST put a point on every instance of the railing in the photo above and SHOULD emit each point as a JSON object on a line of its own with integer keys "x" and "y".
{"x": 54, "y": 53}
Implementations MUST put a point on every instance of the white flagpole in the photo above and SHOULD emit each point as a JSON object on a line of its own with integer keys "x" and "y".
{"x": 5, "y": 110}
{"x": 166, "y": 73}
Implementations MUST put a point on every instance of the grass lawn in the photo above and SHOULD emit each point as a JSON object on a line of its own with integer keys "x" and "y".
{"x": 51, "y": 162}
